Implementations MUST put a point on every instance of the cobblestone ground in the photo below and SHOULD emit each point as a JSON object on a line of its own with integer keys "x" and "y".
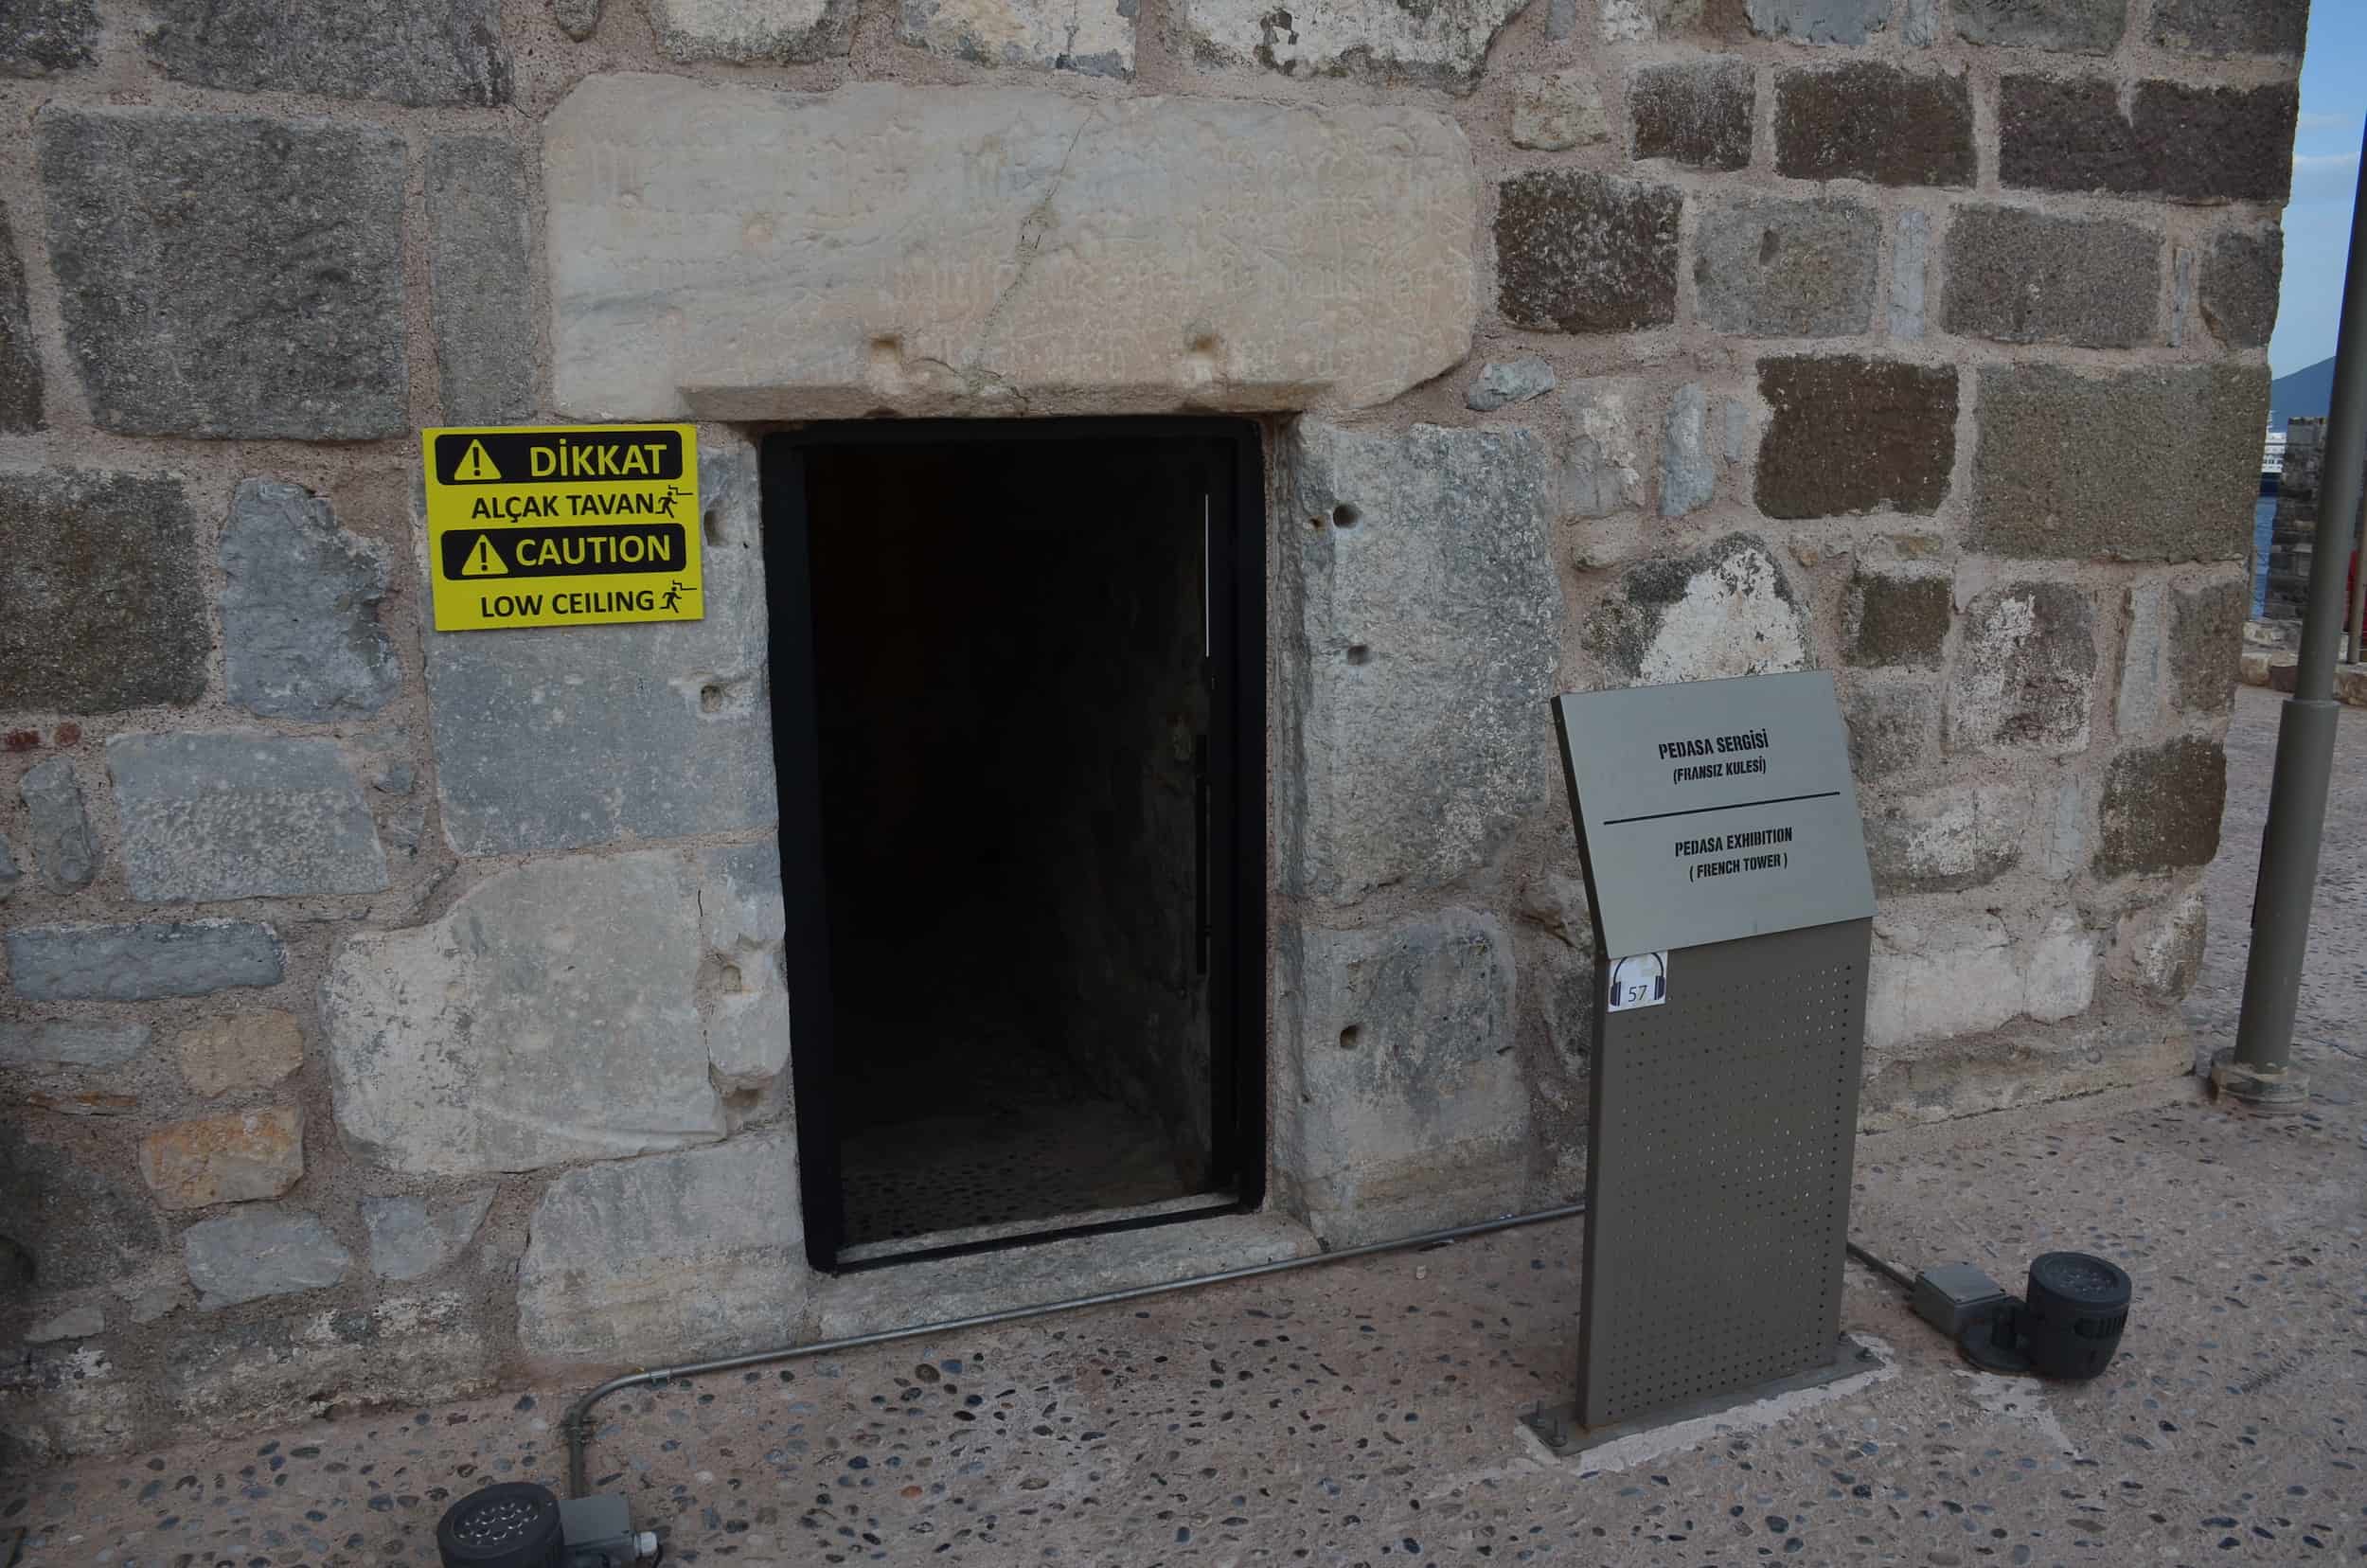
{"x": 1365, "y": 1413}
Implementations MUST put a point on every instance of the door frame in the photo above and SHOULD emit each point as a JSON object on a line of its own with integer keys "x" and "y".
{"x": 1235, "y": 907}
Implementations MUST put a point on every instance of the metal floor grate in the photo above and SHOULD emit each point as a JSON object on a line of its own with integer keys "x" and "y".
{"x": 1718, "y": 1200}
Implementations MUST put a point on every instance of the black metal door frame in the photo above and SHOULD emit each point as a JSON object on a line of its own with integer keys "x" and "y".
{"x": 1234, "y": 865}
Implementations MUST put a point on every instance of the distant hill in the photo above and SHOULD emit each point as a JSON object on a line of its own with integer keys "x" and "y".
{"x": 2307, "y": 393}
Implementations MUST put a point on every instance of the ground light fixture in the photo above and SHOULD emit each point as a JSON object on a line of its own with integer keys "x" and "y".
{"x": 520, "y": 1524}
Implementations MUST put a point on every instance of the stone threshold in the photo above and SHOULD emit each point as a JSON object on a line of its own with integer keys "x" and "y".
{"x": 941, "y": 1289}
{"x": 1047, "y": 1226}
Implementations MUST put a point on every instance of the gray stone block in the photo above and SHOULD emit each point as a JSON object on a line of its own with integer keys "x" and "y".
{"x": 1554, "y": 111}
{"x": 2145, "y": 649}
{"x": 20, "y": 356}
{"x": 81, "y": 1226}
{"x": 2243, "y": 276}
{"x": 552, "y": 1015}
{"x": 64, "y": 1044}
{"x": 260, "y": 1252}
{"x": 2176, "y": 482}
{"x": 10, "y": 875}
{"x": 2084, "y": 26}
{"x": 1911, "y": 263}
{"x": 2206, "y": 637}
{"x": 301, "y": 633}
{"x": 1444, "y": 44}
{"x": 1604, "y": 472}
{"x": 100, "y": 608}
{"x": 560, "y": 738}
{"x": 1725, "y": 610}
{"x": 229, "y": 276}
{"x": 412, "y": 1236}
{"x": 1688, "y": 475}
{"x": 742, "y": 921}
{"x": 2026, "y": 677}
{"x": 2023, "y": 276}
{"x": 405, "y": 51}
{"x": 40, "y": 38}
{"x": 745, "y": 30}
{"x": 241, "y": 815}
{"x": 62, "y": 844}
{"x": 578, "y": 19}
{"x": 74, "y": 1322}
{"x": 2161, "y": 808}
{"x": 1894, "y": 724}
{"x": 1050, "y": 35}
{"x": 1818, "y": 21}
{"x": 1947, "y": 840}
{"x": 1403, "y": 1104}
{"x": 141, "y": 963}
{"x": 1786, "y": 269}
{"x": 2222, "y": 27}
{"x": 611, "y": 1244}
{"x": 1428, "y": 622}
{"x": 487, "y": 333}
{"x": 1503, "y": 383}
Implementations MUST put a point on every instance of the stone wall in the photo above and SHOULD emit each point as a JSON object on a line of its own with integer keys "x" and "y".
{"x": 388, "y": 1014}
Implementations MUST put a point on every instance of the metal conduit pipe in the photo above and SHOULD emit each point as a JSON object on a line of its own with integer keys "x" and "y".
{"x": 576, "y": 1424}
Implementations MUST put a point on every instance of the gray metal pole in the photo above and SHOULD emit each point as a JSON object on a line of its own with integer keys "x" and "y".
{"x": 2258, "y": 1070}
{"x": 2359, "y": 588}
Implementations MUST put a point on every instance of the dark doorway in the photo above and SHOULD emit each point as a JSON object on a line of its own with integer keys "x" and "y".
{"x": 1018, "y": 720}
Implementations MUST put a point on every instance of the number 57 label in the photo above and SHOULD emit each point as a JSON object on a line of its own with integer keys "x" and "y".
{"x": 1639, "y": 982}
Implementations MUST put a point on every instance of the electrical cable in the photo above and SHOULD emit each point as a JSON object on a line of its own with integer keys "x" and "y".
{"x": 1888, "y": 1271}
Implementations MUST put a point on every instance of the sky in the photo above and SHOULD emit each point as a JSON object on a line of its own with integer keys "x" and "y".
{"x": 2325, "y": 173}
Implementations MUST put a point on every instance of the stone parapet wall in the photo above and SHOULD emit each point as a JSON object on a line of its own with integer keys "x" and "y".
{"x": 387, "y": 1013}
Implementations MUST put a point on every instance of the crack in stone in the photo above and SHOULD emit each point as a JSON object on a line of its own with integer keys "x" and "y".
{"x": 1031, "y": 232}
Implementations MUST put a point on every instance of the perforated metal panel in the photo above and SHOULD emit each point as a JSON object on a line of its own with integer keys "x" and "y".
{"x": 1718, "y": 1186}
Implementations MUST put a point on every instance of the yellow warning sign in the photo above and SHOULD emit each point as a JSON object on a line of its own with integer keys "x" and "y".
{"x": 562, "y": 526}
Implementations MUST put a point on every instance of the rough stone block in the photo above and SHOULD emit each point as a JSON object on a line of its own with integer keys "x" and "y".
{"x": 750, "y": 30}
{"x": 1408, "y": 1109}
{"x": 64, "y": 846}
{"x": 2243, "y": 276}
{"x": 2168, "y": 946}
{"x": 243, "y": 1051}
{"x": 229, "y": 276}
{"x": 578, "y": 19}
{"x": 259, "y": 1373}
{"x": 1504, "y": 382}
{"x": 2175, "y": 481}
{"x": 412, "y": 1236}
{"x": 2220, "y": 27}
{"x": 1853, "y": 435}
{"x": 405, "y": 51}
{"x": 20, "y": 356}
{"x": 1870, "y": 122}
{"x": 1097, "y": 40}
{"x": 2195, "y": 143}
{"x": 1554, "y": 111}
{"x": 2144, "y": 648}
{"x": 1688, "y": 471}
{"x": 100, "y": 608}
{"x": 1894, "y": 724}
{"x": 1898, "y": 619}
{"x": 1725, "y": 611}
{"x": 231, "y": 815}
{"x": 549, "y": 740}
{"x": 80, "y": 1226}
{"x": 39, "y": 38}
{"x": 1948, "y": 839}
{"x": 1786, "y": 269}
{"x": 1818, "y": 21}
{"x": 551, "y": 1015}
{"x": 140, "y": 963}
{"x": 1432, "y": 622}
{"x": 2206, "y": 637}
{"x": 72, "y": 1324}
{"x": 11, "y": 873}
{"x": 1698, "y": 112}
{"x": 2083, "y": 27}
{"x": 488, "y": 342}
{"x": 2025, "y": 676}
{"x": 1052, "y": 254}
{"x": 1608, "y": 449}
{"x": 2023, "y": 276}
{"x": 1579, "y": 252}
{"x": 742, "y": 921}
{"x": 1442, "y": 44}
{"x": 602, "y": 1275}
{"x": 260, "y": 1252}
{"x": 64, "y": 1044}
{"x": 1950, "y": 976}
{"x": 301, "y": 633}
{"x": 1911, "y": 263}
{"x": 2161, "y": 808}
{"x": 229, "y": 1159}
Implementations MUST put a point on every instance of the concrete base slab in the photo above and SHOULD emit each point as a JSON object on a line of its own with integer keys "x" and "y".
{"x": 1858, "y": 1363}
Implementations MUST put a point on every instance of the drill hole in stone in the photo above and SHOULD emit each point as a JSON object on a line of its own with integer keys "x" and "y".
{"x": 710, "y": 699}
{"x": 711, "y": 525}
{"x": 1351, "y": 1037}
{"x": 1345, "y": 516}
{"x": 1358, "y": 653}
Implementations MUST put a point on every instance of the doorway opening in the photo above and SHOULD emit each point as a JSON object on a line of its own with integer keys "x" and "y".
{"x": 1018, "y": 722}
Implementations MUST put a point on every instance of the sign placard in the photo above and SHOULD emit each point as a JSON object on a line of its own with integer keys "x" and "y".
{"x": 1715, "y": 810}
{"x": 562, "y": 526}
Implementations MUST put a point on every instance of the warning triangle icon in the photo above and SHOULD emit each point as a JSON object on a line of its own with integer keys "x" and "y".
{"x": 474, "y": 464}
{"x": 484, "y": 561}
